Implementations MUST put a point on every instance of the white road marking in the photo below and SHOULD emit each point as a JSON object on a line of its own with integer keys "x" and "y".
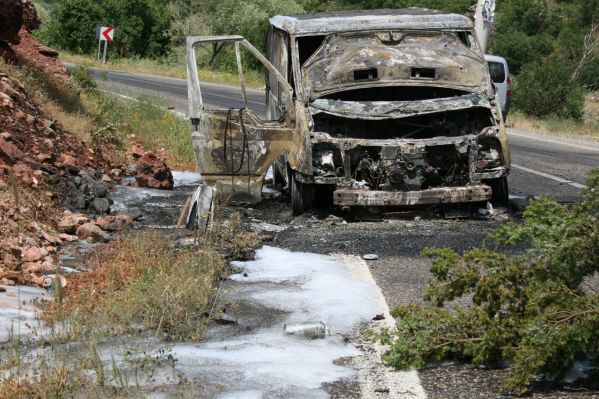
{"x": 119, "y": 95}
{"x": 537, "y": 138}
{"x": 548, "y": 176}
{"x": 401, "y": 384}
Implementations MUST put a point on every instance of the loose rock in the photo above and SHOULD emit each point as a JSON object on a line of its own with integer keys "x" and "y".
{"x": 93, "y": 233}
{"x": 151, "y": 171}
{"x": 70, "y": 222}
{"x": 114, "y": 222}
{"x": 101, "y": 205}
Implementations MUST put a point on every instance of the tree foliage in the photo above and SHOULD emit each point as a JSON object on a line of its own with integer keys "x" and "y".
{"x": 530, "y": 303}
{"x": 228, "y": 17}
{"x": 141, "y": 26}
{"x": 457, "y": 6}
{"x": 544, "y": 88}
{"x": 540, "y": 39}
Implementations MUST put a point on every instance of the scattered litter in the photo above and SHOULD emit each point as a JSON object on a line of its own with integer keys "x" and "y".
{"x": 49, "y": 281}
{"x": 379, "y": 317}
{"x": 308, "y": 330}
{"x": 263, "y": 227}
{"x": 186, "y": 242}
{"x": 417, "y": 218}
{"x": 67, "y": 269}
{"x": 370, "y": 257}
{"x": 488, "y": 211}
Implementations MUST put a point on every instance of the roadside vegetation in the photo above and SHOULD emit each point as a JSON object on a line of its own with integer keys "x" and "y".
{"x": 144, "y": 120}
{"x": 172, "y": 66}
{"x": 587, "y": 129}
{"x": 552, "y": 46}
{"x": 531, "y": 295}
{"x": 110, "y": 330}
{"x": 101, "y": 118}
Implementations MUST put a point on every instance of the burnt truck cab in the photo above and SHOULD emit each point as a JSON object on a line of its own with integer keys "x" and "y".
{"x": 380, "y": 108}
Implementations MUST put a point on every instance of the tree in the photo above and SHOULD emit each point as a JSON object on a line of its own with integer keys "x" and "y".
{"x": 528, "y": 293}
{"x": 457, "y": 6}
{"x": 228, "y": 17}
{"x": 141, "y": 26}
{"x": 540, "y": 39}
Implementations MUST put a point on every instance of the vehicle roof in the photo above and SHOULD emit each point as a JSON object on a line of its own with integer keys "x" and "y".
{"x": 344, "y": 21}
{"x": 495, "y": 58}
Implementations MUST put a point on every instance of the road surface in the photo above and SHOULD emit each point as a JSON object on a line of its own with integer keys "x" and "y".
{"x": 541, "y": 164}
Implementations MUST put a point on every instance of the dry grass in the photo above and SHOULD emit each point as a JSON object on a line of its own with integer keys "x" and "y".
{"x": 587, "y": 129}
{"x": 143, "y": 280}
{"x": 76, "y": 122}
{"x": 140, "y": 287}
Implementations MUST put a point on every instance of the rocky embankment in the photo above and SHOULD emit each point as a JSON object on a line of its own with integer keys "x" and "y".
{"x": 54, "y": 186}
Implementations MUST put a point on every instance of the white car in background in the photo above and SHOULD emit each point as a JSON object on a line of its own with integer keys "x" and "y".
{"x": 500, "y": 75}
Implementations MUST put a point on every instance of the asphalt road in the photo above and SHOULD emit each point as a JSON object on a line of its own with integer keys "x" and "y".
{"x": 541, "y": 164}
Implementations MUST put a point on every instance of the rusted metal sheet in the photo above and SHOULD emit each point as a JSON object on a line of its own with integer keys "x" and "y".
{"x": 407, "y": 19}
{"x": 437, "y": 59}
{"x": 397, "y": 109}
{"x": 444, "y": 195}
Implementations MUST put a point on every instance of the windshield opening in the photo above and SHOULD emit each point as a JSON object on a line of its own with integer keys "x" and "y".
{"x": 448, "y": 123}
{"x": 394, "y": 93}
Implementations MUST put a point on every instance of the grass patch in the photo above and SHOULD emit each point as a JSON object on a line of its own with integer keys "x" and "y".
{"x": 173, "y": 66}
{"x": 141, "y": 280}
{"x": 145, "y": 121}
{"x": 587, "y": 129}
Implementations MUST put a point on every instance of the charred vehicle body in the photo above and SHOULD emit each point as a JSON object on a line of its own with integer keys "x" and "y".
{"x": 372, "y": 108}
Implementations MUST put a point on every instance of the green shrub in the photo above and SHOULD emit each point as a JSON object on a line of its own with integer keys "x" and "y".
{"x": 519, "y": 48}
{"x": 83, "y": 77}
{"x": 141, "y": 26}
{"x": 458, "y": 6}
{"x": 529, "y": 299}
{"x": 544, "y": 88}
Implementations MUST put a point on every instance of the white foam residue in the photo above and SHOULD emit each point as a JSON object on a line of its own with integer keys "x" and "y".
{"x": 186, "y": 179}
{"x": 325, "y": 289}
{"x": 242, "y": 395}
{"x": 268, "y": 363}
{"x": 125, "y": 197}
{"x": 18, "y": 313}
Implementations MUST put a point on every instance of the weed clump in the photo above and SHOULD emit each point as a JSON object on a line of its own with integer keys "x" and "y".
{"x": 143, "y": 281}
{"x": 531, "y": 303}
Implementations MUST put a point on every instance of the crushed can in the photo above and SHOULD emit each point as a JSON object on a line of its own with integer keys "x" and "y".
{"x": 307, "y": 330}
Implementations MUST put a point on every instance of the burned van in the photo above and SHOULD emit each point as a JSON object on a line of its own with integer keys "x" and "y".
{"x": 370, "y": 108}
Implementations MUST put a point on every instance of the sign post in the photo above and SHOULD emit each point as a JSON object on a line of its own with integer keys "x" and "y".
{"x": 484, "y": 20}
{"x": 104, "y": 34}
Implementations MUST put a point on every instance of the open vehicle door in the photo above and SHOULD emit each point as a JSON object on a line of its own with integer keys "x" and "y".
{"x": 235, "y": 146}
